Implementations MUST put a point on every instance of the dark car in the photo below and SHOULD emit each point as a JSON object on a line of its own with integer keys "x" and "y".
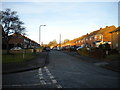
{"x": 46, "y": 49}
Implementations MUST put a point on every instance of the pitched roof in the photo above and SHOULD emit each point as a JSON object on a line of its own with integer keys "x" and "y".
{"x": 107, "y": 29}
{"x": 117, "y": 29}
{"x": 23, "y": 37}
{"x": 93, "y": 33}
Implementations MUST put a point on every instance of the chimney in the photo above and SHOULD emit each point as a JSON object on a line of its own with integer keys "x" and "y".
{"x": 106, "y": 26}
{"x": 100, "y": 28}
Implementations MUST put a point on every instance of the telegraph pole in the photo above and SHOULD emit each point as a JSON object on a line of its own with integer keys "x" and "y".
{"x": 60, "y": 40}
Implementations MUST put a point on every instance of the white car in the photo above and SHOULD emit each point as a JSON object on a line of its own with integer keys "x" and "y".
{"x": 16, "y": 48}
{"x": 78, "y": 48}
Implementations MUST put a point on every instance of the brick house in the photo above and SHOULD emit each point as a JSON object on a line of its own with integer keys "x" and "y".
{"x": 99, "y": 36}
{"x": 91, "y": 38}
{"x": 81, "y": 41}
{"x": 94, "y": 39}
{"x": 115, "y": 35}
{"x": 21, "y": 41}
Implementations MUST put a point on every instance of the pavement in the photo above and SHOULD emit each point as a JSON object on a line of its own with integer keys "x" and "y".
{"x": 63, "y": 70}
{"x": 113, "y": 65}
{"x": 36, "y": 63}
{"x": 42, "y": 60}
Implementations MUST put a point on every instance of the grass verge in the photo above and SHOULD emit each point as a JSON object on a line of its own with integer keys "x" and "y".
{"x": 114, "y": 57}
{"x": 17, "y": 57}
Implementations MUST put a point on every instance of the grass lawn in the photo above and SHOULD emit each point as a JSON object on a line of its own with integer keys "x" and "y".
{"x": 115, "y": 57}
{"x": 17, "y": 57}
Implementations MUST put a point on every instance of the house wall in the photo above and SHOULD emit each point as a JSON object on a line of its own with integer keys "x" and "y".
{"x": 116, "y": 40}
{"x": 23, "y": 41}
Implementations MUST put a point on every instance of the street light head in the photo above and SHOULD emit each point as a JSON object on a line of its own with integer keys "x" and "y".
{"x": 42, "y": 25}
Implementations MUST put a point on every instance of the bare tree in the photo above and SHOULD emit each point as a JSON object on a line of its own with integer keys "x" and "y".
{"x": 66, "y": 40}
{"x": 11, "y": 24}
{"x": 52, "y": 43}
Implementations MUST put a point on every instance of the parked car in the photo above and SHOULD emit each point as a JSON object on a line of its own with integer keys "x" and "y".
{"x": 16, "y": 48}
{"x": 46, "y": 49}
{"x": 59, "y": 48}
{"x": 54, "y": 48}
{"x": 78, "y": 48}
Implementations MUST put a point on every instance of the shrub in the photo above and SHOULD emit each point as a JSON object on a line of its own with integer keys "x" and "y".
{"x": 93, "y": 52}
{"x": 114, "y": 57}
{"x": 113, "y": 51}
{"x": 83, "y": 51}
{"x": 98, "y": 53}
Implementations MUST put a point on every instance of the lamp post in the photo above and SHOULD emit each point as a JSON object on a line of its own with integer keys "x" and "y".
{"x": 40, "y": 33}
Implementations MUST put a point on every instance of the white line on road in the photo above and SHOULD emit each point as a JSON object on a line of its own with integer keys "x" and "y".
{"x": 54, "y": 81}
{"x": 59, "y": 86}
{"x": 42, "y": 81}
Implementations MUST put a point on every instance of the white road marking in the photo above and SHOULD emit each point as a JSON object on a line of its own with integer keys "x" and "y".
{"x": 49, "y": 74}
{"x": 41, "y": 76}
{"x": 59, "y": 86}
{"x": 54, "y": 81}
{"x": 43, "y": 82}
{"x": 52, "y": 78}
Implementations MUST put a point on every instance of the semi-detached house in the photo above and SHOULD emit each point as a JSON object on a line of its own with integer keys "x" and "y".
{"x": 115, "y": 39}
{"x": 21, "y": 41}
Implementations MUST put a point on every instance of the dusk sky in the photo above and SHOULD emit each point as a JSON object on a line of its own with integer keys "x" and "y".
{"x": 70, "y": 19}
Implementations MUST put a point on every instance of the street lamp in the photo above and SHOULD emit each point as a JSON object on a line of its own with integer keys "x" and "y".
{"x": 40, "y": 33}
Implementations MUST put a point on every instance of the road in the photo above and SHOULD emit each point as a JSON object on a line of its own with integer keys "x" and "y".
{"x": 63, "y": 71}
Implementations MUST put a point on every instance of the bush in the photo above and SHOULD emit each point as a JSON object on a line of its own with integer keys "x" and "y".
{"x": 84, "y": 51}
{"x": 114, "y": 57}
{"x": 98, "y": 53}
{"x": 72, "y": 49}
{"x": 17, "y": 57}
{"x": 93, "y": 52}
{"x": 113, "y": 51}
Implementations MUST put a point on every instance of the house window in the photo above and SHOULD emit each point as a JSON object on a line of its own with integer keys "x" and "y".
{"x": 117, "y": 33}
{"x": 100, "y": 37}
{"x": 90, "y": 38}
{"x": 116, "y": 44}
{"x": 95, "y": 37}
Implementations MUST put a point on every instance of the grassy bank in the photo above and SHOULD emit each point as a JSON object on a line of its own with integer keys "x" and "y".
{"x": 17, "y": 57}
{"x": 115, "y": 57}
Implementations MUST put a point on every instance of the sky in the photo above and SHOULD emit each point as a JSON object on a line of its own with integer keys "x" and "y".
{"x": 70, "y": 19}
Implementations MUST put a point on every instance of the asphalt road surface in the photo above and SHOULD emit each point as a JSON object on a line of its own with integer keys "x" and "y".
{"x": 63, "y": 71}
